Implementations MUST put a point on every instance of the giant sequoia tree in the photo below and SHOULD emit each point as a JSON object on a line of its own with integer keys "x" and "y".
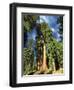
{"x": 49, "y": 52}
{"x": 42, "y": 40}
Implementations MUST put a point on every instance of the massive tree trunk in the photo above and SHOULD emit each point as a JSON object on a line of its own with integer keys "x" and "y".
{"x": 44, "y": 65}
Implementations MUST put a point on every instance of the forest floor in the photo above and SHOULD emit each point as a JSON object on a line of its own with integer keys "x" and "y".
{"x": 60, "y": 71}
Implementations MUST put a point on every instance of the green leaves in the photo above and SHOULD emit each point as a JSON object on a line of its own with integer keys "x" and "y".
{"x": 28, "y": 57}
{"x": 46, "y": 31}
{"x": 55, "y": 52}
{"x": 29, "y": 22}
{"x": 27, "y": 26}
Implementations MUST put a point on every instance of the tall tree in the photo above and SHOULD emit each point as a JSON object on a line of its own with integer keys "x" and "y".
{"x": 46, "y": 45}
{"x": 45, "y": 38}
{"x": 29, "y": 22}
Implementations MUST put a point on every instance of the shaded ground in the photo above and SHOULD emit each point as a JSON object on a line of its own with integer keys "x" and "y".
{"x": 60, "y": 71}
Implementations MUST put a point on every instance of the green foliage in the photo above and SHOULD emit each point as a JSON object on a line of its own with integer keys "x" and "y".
{"x": 28, "y": 60}
{"x": 60, "y": 53}
{"x": 46, "y": 31}
{"x": 55, "y": 51}
{"x": 29, "y": 22}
